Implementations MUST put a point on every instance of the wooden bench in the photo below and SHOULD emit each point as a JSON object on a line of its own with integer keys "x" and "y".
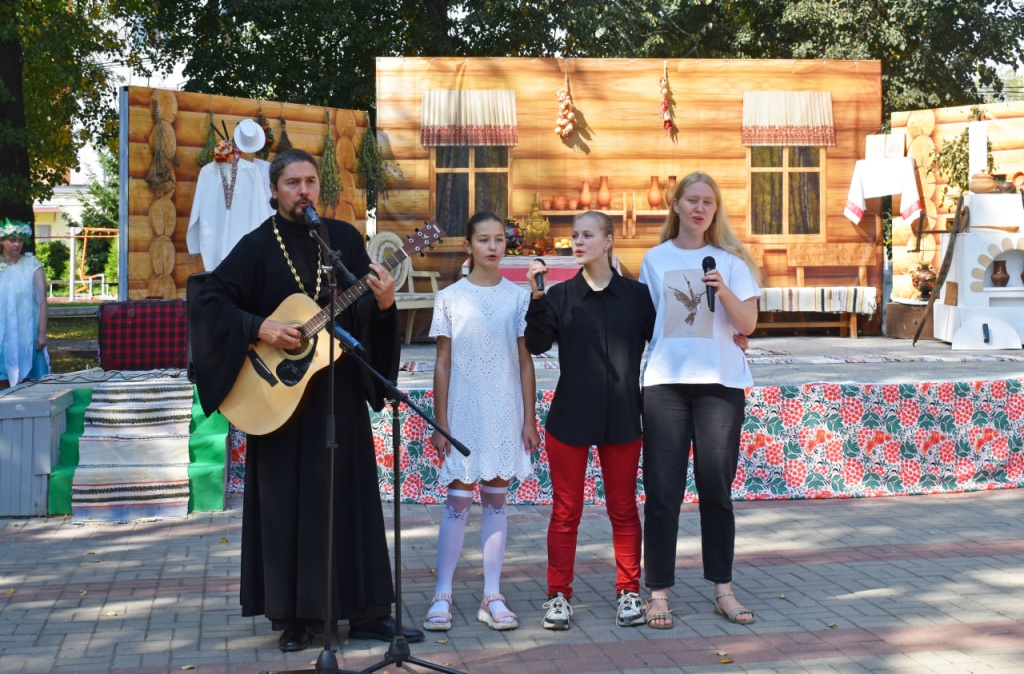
{"x": 844, "y": 301}
{"x": 407, "y": 299}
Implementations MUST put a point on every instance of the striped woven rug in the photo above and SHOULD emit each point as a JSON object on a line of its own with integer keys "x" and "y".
{"x": 133, "y": 453}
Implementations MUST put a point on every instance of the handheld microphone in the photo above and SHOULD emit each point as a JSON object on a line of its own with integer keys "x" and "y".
{"x": 348, "y": 342}
{"x": 312, "y": 219}
{"x": 540, "y": 277}
{"x": 707, "y": 265}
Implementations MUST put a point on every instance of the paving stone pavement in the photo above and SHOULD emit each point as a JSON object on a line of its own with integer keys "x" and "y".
{"x": 906, "y": 584}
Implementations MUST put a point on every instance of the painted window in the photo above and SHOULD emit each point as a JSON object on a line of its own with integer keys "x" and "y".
{"x": 468, "y": 180}
{"x": 787, "y": 185}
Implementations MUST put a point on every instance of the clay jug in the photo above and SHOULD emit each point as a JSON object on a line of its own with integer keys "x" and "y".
{"x": 604, "y": 195}
{"x": 654, "y": 195}
{"x": 585, "y": 197}
{"x": 670, "y": 190}
{"x": 1000, "y": 277}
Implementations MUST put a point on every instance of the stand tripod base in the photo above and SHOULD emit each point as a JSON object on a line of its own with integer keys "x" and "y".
{"x": 398, "y": 654}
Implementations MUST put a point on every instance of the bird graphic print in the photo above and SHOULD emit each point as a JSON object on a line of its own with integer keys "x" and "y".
{"x": 690, "y": 299}
{"x": 686, "y": 312}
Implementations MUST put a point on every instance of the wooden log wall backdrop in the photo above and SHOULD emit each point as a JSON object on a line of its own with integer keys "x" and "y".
{"x": 158, "y": 259}
{"x": 926, "y": 131}
{"x": 626, "y": 141}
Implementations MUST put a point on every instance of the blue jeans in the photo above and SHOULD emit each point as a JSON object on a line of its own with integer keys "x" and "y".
{"x": 711, "y": 417}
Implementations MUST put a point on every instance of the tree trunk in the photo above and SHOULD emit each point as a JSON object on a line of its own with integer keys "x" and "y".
{"x": 15, "y": 180}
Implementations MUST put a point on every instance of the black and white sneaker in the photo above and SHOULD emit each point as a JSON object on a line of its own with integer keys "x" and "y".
{"x": 631, "y": 611}
{"x": 559, "y": 611}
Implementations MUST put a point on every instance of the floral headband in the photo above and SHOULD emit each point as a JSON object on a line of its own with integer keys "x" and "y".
{"x": 15, "y": 228}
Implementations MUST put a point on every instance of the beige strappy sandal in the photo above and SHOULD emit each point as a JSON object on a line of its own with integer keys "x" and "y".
{"x": 659, "y": 620}
{"x": 733, "y": 616}
{"x": 502, "y": 620}
{"x": 439, "y": 621}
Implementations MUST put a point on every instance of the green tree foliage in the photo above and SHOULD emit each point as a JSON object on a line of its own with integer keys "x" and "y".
{"x": 54, "y": 256}
{"x": 99, "y": 211}
{"x": 67, "y": 49}
{"x": 934, "y": 52}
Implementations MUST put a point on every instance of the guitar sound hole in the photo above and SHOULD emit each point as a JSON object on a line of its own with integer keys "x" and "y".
{"x": 299, "y": 350}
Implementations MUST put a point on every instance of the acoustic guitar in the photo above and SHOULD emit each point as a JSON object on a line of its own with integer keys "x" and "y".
{"x": 272, "y": 383}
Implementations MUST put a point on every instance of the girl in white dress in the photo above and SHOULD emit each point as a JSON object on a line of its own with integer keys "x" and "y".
{"x": 22, "y": 308}
{"x": 485, "y": 396}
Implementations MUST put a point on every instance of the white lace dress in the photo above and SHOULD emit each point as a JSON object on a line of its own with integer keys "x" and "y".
{"x": 485, "y": 397}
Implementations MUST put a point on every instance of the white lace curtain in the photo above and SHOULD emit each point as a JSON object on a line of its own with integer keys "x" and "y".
{"x": 469, "y": 117}
{"x": 788, "y": 118}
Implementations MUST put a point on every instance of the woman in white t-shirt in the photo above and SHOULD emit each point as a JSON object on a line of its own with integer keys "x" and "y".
{"x": 704, "y": 285}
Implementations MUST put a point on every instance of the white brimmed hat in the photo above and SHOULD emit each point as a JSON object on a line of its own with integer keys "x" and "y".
{"x": 249, "y": 136}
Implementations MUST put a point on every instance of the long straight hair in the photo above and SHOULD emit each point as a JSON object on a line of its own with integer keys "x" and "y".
{"x": 719, "y": 233}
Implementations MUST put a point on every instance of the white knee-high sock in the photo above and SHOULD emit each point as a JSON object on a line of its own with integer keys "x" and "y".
{"x": 449, "y": 539}
{"x": 493, "y": 533}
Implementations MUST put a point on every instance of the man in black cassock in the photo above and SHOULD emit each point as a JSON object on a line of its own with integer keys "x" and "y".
{"x": 286, "y": 482}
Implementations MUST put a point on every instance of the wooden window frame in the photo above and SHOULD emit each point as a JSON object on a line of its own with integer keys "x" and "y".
{"x": 472, "y": 170}
{"x": 786, "y": 170}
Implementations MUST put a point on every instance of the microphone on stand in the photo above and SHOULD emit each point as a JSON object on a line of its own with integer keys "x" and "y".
{"x": 348, "y": 342}
{"x": 707, "y": 265}
{"x": 540, "y": 277}
{"x": 312, "y": 219}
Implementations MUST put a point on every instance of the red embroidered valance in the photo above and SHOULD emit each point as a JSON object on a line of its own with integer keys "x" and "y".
{"x": 469, "y": 117}
{"x": 788, "y": 118}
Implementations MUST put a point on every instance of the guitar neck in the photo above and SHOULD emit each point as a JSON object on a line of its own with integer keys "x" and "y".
{"x": 345, "y": 299}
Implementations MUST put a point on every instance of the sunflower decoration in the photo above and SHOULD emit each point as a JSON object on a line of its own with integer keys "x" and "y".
{"x": 264, "y": 123}
{"x": 225, "y": 150}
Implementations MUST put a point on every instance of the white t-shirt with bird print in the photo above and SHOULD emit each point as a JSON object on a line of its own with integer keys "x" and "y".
{"x": 692, "y": 344}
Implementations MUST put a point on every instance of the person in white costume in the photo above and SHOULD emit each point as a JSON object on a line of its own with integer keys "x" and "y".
{"x": 232, "y": 197}
{"x": 485, "y": 396}
{"x": 694, "y": 382}
{"x": 23, "y": 313}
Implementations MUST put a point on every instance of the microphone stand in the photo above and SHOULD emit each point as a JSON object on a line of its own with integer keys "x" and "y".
{"x": 327, "y": 661}
{"x": 398, "y": 652}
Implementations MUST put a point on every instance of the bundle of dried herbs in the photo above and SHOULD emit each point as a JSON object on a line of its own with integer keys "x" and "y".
{"x": 372, "y": 169}
{"x": 206, "y": 155}
{"x": 160, "y": 177}
{"x": 285, "y": 143}
{"x": 264, "y": 123}
{"x": 330, "y": 181}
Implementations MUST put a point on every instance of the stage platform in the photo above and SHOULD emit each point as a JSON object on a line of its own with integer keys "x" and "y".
{"x": 828, "y": 417}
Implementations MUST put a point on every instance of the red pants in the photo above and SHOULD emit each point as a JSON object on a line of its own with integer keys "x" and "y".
{"x": 568, "y": 466}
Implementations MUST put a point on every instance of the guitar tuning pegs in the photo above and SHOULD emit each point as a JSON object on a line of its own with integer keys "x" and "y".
{"x": 441, "y": 241}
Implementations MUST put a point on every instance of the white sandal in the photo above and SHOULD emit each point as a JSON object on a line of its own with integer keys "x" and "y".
{"x": 431, "y": 624}
{"x": 502, "y": 620}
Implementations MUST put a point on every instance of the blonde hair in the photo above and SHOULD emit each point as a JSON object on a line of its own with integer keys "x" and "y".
{"x": 719, "y": 234}
{"x": 606, "y": 224}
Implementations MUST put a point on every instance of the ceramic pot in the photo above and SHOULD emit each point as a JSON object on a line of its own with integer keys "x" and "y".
{"x": 574, "y": 204}
{"x": 654, "y": 194}
{"x": 585, "y": 197}
{"x": 982, "y": 183}
{"x": 670, "y": 190}
{"x": 546, "y": 204}
{"x": 1000, "y": 277}
{"x": 604, "y": 195}
{"x": 559, "y": 202}
{"x": 923, "y": 278}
